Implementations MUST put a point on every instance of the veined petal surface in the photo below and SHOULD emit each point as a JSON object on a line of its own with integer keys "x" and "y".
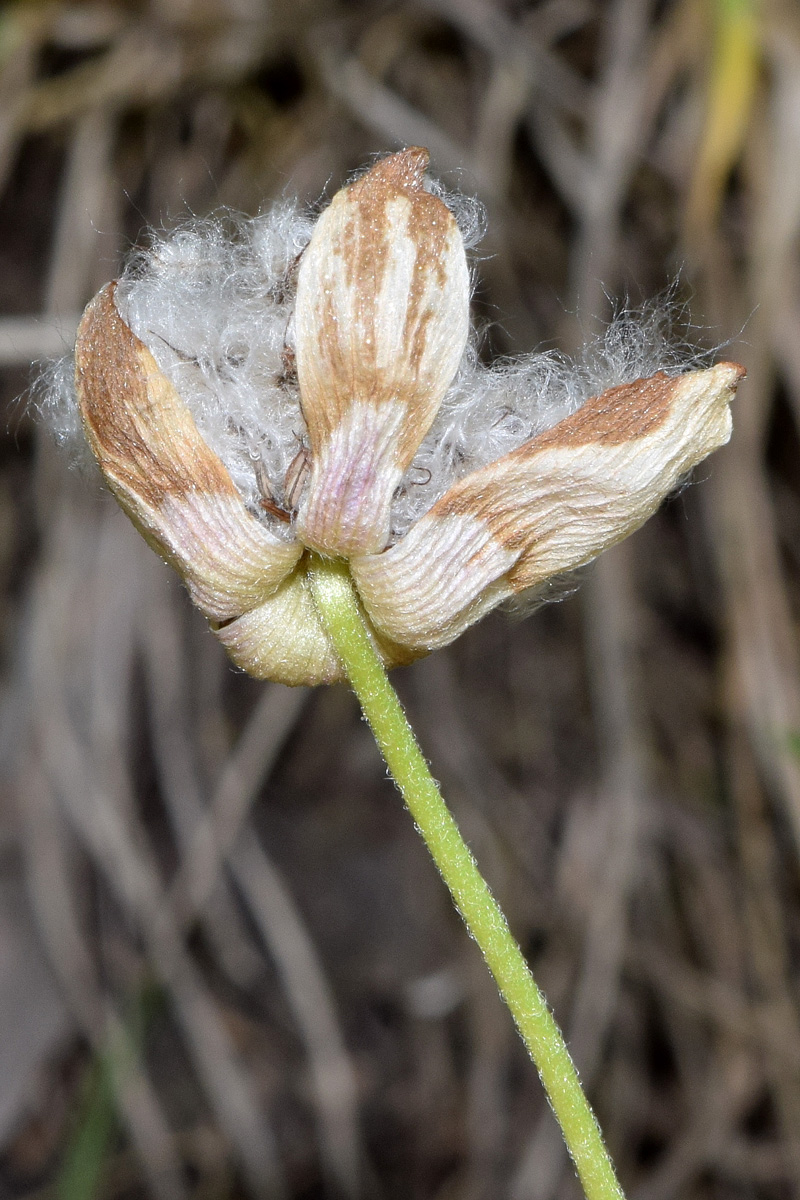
{"x": 283, "y": 638}
{"x": 165, "y": 476}
{"x": 548, "y": 507}
{"x": 381, "y": 323}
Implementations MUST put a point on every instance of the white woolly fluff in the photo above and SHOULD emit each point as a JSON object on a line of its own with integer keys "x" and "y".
{"x": 468, "y": 211}
{"x": 214, "y": 303}
{"x": 54, "y": 399}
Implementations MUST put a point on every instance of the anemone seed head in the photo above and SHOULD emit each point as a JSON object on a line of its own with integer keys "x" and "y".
{"x": 258, "y": 392}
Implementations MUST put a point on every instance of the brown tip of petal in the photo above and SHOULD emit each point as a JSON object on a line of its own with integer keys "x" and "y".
{"x": 113, "y": 371}
{"x": 400, "y": 172}
{"x": 628, "y": 411}
{"x": 626, "y": 450}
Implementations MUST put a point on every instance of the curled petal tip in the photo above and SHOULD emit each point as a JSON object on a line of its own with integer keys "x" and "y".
{"x": 735, "y": 370}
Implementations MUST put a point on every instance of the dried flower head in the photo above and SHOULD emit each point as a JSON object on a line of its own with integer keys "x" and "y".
{"x": 309, "y": 388}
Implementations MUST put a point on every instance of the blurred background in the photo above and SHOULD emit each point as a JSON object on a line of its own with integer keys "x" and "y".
{"x": 227, "y": 967}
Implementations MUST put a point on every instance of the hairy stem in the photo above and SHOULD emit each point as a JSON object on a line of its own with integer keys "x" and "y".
{"x": 341, "y": 614}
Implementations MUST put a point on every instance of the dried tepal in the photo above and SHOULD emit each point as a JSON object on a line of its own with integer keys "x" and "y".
{"x": 294, "y": 388}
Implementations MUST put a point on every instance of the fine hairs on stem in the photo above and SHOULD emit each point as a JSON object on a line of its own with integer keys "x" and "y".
{"x": 337, "y": 602}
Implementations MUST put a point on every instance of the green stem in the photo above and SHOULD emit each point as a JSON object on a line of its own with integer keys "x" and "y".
{"x": 338, "y": 605}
